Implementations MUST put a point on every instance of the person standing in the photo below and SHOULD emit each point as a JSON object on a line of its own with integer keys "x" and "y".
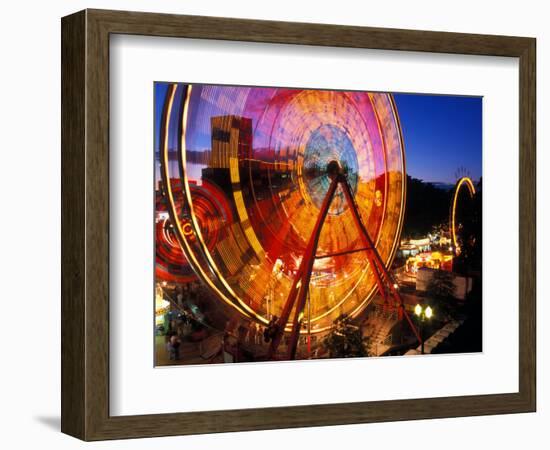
{"x": 174, "y": 347}
{"x": 251, "y": 338}
{"x": 179, "y": 297}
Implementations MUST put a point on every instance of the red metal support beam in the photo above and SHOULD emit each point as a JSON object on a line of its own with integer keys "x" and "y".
{"x": 377, "y": 260}
{"x": 306, "y": 274}
{"x": 300, "y": 285}
{"x": 346, "y": 252}
{"x": 297, "y": 296}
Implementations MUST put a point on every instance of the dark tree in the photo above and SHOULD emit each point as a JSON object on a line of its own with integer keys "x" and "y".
{"x": 441, "y": 289}
{"x": 427, "y": 206}
{"x": 345, "y": 340}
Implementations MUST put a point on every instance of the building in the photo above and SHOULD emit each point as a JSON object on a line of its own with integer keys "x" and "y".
{"x": 231, "y": 141}
{"x": 463, "y": 285}
{"x": 431, "y": 260}
{"x": 413, "y": 247}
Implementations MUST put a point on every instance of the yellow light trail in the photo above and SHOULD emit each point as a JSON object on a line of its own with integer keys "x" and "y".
{"x": 464, "y": 181}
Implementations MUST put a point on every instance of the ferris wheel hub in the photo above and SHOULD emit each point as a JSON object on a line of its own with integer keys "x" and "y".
{"x": 334, "y": 169}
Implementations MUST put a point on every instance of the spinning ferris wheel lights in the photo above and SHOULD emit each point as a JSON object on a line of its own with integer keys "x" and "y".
{"x": 272, "y": 156}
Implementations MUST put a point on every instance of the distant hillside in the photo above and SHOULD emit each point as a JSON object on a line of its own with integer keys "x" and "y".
{"x": 427, "y": 205}
{"x": 443, "y": 186}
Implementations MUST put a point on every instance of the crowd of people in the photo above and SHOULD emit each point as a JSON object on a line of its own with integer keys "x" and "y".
{"x": 190, "y": 320}
{"x": 186, "y": 322}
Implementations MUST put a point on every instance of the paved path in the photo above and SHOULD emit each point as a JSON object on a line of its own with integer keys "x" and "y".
{"x": 190, "y": 353}
{"x": 204, "y": 352}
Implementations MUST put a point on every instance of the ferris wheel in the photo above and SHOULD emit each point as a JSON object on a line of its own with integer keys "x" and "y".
{"x": 312, "y": 186}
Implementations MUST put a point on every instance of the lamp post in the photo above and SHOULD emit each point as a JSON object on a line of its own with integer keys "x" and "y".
{"x": 423, "y": 313}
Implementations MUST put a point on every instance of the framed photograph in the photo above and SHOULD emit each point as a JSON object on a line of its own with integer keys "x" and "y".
{"x": 273, "y": 225}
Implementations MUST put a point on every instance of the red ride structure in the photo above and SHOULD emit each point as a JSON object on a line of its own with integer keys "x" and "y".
{"x": 298, "y": 294}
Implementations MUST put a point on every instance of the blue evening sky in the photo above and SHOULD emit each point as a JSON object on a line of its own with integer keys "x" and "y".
{"x": 441, "y": 133}
{"x": 160, "y": 95}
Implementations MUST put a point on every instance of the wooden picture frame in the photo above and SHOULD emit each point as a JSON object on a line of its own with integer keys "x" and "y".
{"x": 85, "y": 224}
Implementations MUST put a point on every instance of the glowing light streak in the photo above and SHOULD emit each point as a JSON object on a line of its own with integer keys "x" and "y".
{"x": 468, "y": 183}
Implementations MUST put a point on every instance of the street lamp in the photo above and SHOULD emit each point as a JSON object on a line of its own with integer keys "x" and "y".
{"x": 428, "y": 312}
{"x": 423, "y": 313}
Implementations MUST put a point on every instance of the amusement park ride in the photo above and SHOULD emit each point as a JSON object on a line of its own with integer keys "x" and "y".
{"x": 320, "y": 195}
{"x": 464, "y": 182}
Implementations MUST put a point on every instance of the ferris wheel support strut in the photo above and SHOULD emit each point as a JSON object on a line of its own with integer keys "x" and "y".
{"x": 297, "y": 296}
{"x": 301, "y": 282}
